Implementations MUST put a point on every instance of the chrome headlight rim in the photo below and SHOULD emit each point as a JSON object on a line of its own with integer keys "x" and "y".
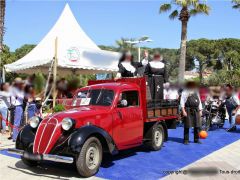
{"x": 67, "y": 123}
{"x": 34, "y": 121}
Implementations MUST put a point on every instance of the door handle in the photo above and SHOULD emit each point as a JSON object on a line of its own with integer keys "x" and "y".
{"x": 120, "y": 115}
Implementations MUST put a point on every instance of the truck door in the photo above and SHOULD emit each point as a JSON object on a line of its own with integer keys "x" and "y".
{"x": 128, "y": 120}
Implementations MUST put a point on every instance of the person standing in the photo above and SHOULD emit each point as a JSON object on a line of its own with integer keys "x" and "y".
{"x": 17, "y": 98}
{"x": 4, "y": 104}
{"x": 232, "y": 105}
{"x": 144, "y": 63}
{"x": 31, "y": 108}
{"x": 126, "y": 66}
{"x": 192, "y": 111}
{"x": 157, "y": 75}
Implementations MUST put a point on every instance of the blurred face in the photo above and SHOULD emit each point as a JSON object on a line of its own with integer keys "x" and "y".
{"x": 6, "y": 87}
{"x": 228, "y": 91}
{"x": 31, "y": 91}
{"x": 18, "y": 85}
{"x": 167, "y": 85}
{"x": 21, "y": 86}
{"x": 157, "y": 57}
{"x": 128, "y": 58}
{"x": 192, "y": 86}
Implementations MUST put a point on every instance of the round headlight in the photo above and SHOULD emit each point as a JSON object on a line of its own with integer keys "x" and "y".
{"x": 34, "y": 121}
{"x": 67, "y": 123}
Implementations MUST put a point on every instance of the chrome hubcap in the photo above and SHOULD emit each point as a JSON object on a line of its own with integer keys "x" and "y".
{"x": 92, "y": 157}
{"x": 158, "y": 138}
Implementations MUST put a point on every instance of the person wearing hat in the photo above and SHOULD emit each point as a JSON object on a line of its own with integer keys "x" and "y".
{"x": 127, "y": 67}
{"x": 17, "y": 100}
{"x": 191, "y": 106}
{"x": 157, "y": 75}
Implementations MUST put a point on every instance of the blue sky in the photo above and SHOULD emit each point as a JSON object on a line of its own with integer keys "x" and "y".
{"x": 27, "y": 22}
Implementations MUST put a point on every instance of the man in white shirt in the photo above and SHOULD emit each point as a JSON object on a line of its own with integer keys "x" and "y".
{"x": 192, "y": 111}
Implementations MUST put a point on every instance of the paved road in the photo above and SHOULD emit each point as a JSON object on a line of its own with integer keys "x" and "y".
{"x": 226, "y": 159}
{"x": 13, "y": 168}
{"x": 225, "y": 162}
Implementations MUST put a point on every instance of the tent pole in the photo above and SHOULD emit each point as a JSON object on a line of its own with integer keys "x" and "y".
{"x": 55, "y": 73}
{"x": 3, "y": 75}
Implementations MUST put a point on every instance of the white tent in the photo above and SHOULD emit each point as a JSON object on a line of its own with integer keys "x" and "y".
{"x": 76, "y": 52}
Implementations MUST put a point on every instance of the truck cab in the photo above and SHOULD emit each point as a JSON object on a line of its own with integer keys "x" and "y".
{"x": 124, "y": 109}
{"x": 105, "y": 116}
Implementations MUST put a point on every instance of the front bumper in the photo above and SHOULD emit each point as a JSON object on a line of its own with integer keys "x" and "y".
{"x": 41, "y": 157}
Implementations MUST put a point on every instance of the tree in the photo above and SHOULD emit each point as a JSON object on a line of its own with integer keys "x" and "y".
{"x": 227, "y": 51}
{"x": 6, "y": 56}
{"x": 221, "y": 57}
{"x": 222, "y": 77}
{"x": 236, "y": 4}
{"x": 201, "y": 54}
{"x": 188, "y": 8}
{"x": 2, "y": 17}
{"x": 23, "y": 50}
{"x": 123, "y": 45}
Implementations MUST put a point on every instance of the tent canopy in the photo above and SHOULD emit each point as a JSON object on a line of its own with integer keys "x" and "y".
{"x": 76, "y": 52}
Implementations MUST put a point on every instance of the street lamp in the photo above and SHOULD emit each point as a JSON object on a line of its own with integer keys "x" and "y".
{"x": 138, "y": 42}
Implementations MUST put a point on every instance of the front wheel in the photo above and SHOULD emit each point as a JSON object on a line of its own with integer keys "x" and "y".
{"x": 156, "y": 135}
{"x": 206, "y": 123}
{"x": 90, "y": 157}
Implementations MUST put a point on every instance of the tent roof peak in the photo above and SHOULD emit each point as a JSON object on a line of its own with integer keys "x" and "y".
{"x": 75, "y": 50}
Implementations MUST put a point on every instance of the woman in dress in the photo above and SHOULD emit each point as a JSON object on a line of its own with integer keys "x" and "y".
{"x": 157, "y": 76}
{"x": 126, "y": 66}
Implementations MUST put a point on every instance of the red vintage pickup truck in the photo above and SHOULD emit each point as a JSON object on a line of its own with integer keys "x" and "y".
{"x": 105, "y": 116}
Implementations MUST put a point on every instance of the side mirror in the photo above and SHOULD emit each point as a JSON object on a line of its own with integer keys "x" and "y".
{"x": 123, "y": 103}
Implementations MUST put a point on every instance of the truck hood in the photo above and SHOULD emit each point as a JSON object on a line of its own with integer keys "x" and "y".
{"x": 82, "y": 112}
{"x": 50, "y": 129}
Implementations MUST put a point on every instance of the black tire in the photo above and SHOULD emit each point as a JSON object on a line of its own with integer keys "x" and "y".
{"x": 157, "y": 136}
{"x": 28, "y": 162}
{"x": 221, "y": 125}
{"x": 206, "y": 124}
{"x": 91, "y": 150}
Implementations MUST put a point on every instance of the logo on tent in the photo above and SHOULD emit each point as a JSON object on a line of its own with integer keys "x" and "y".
{"x": 73, "y": 54}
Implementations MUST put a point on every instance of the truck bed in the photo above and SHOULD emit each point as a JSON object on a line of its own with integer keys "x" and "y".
{"x": 162, "y": 110}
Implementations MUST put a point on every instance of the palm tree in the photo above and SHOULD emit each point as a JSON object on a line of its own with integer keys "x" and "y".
{"x": 2, "y": 16}
{"x": 184, "y": 10}
{"x": 123, "y": 45}
{"x": 236, "y": 4}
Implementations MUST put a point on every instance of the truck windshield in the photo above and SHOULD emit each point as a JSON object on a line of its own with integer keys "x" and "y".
{"x": 98, "y": 97}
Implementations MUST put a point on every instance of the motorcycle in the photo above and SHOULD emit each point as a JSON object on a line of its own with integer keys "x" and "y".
{"x": 214, "y": 114}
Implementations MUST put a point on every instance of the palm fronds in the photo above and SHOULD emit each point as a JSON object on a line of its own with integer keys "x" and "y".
{"x": 174, "y": 14}
{"x": 165, "y": 8}
{"x": 236, "y": 4}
